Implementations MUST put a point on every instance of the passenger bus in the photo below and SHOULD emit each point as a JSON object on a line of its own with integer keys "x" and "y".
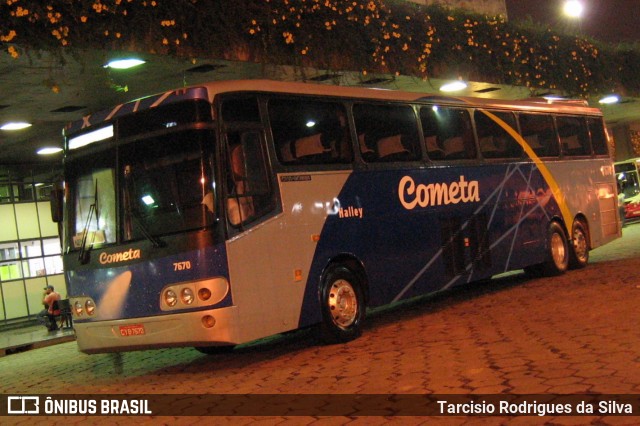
{"x": 216, "y": 215}
{"x": 629, "y": 186}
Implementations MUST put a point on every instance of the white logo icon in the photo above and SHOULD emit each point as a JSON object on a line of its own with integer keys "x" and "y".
{"x": 23, "y": 405}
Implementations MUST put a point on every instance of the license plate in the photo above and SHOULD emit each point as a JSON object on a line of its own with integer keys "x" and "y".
{"x": 131, "y": 330}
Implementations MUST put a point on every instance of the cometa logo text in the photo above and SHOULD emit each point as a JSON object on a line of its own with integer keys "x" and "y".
{"x": 436, "y": 194}
{"x": 119, "y": 257}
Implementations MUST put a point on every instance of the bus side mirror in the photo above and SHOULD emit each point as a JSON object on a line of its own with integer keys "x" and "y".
{"x": 56, "y": 199}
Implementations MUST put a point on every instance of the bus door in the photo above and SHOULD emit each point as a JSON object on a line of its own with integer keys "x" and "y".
{"x": 248, "y": 200}
{"x": 249, "y": 205}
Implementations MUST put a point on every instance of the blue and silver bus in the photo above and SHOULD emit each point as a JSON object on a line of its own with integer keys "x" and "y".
{"x": 216, "y": 215}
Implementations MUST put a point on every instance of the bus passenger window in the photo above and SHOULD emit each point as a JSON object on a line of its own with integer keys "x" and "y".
{"x": 493, "y": 139}
{"x": 387, "y": 133}
{"x": 598, "y": 136}
{"x": 448, "y": 134}
{"x": 538, "y": 132}
{"x": 574, "y": 136}
{"x": 434, "y": 150}
{"x": 307, "y": 131}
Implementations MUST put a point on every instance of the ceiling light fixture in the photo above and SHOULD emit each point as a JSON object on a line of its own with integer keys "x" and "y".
{"x": 123, "y": 64}
{"x": 487, "y": 90}
{"x": 49, "y": 150}
{"x": 611, "y": 99}
{"x": 380, "y": 80}
{"x": 454, "y": 86}
{"x": 205, "y": 68}
{"x": 15, "y": 125}
{"x": 552, "y": 98}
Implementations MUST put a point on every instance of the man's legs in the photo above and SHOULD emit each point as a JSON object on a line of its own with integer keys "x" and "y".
{"x": 43, "y": 318}
{"x": 53, "y": 325}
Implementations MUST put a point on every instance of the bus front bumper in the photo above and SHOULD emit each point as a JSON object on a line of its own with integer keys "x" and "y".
{"x": 173, "y": 330}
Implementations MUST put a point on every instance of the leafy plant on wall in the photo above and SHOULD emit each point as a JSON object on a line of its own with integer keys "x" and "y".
{"x": 382, "y": 36}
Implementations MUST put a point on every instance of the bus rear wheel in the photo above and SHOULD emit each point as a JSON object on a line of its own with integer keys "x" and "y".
{"x": 580, "y": 246}
{"x": 557, "y": 251}
{"x": 342, "y": 304}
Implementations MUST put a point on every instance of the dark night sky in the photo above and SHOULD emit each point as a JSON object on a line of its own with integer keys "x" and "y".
{"x": 607, "y": 20}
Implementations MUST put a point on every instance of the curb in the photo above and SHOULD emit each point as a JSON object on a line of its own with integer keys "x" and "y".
{"x": 36, "y": 345}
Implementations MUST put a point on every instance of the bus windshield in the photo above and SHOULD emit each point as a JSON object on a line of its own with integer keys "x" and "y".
{"x": 164, "y": 186}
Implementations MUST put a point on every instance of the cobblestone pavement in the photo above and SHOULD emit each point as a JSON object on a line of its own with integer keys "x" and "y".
{"x": 577, "y": 333}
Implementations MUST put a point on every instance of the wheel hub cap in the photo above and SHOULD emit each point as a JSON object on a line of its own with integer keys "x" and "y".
{"x": 343, "y": 303}
{"x": 557, "y": 249}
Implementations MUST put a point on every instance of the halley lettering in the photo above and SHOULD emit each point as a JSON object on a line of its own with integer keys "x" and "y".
{"x": 412, "y": 195}
{"x": 350, "y": 212}
{"x": 119, "y": 257}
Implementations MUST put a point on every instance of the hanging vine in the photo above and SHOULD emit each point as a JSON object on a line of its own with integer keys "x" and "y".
{"x": 386, "y": 36}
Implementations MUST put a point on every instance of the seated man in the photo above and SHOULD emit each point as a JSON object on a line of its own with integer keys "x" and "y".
{"x": 48, "y": 315}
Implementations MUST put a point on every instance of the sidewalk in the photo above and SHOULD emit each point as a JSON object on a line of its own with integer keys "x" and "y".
{"x": 32, "y": 337}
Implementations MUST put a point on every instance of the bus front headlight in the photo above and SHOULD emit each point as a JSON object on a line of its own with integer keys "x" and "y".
{"x": 78, "y": 308}
{"x": 170, "y": 297}
{"x": 193, "y": 294}
{"x": 187, "y": 296}
{"x": 90, "y": 307}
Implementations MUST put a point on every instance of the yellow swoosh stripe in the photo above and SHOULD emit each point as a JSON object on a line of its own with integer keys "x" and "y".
{"x": 546, "y": 174}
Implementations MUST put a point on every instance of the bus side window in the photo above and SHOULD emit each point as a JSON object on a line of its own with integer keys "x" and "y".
{"x": 598, "y": 136}
{"x": 448, "y": 134}
{"x": 307, "y": 131}
{"x": 539, "y": 133}
{"x": 430, "y": 133}
{"x": 493, "y": 139}
{"x": 249, "y": 190}
{"x": 387, "y": 132}
{"x": 574, "y": 137}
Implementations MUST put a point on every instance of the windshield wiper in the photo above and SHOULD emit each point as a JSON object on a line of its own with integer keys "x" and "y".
{"x": 83, "y": 257}
{"x": 155, "y": 241}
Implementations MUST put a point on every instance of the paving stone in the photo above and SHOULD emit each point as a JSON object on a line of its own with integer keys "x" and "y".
{"x": 574, "y": 333}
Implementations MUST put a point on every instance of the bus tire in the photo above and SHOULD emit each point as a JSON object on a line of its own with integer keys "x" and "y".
{"x": 579, "y": 255}
{"x": 557, "y": 251}
{"x": 342, "y": 304}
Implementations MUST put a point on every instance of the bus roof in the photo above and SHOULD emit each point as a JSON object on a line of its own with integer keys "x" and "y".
{"x": 209, "y": 91}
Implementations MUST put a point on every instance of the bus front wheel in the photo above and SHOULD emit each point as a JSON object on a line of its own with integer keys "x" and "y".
{"x": 580, "y": 247}
{"x": 557, "y": 251}
{"x": 342, "y": 304}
